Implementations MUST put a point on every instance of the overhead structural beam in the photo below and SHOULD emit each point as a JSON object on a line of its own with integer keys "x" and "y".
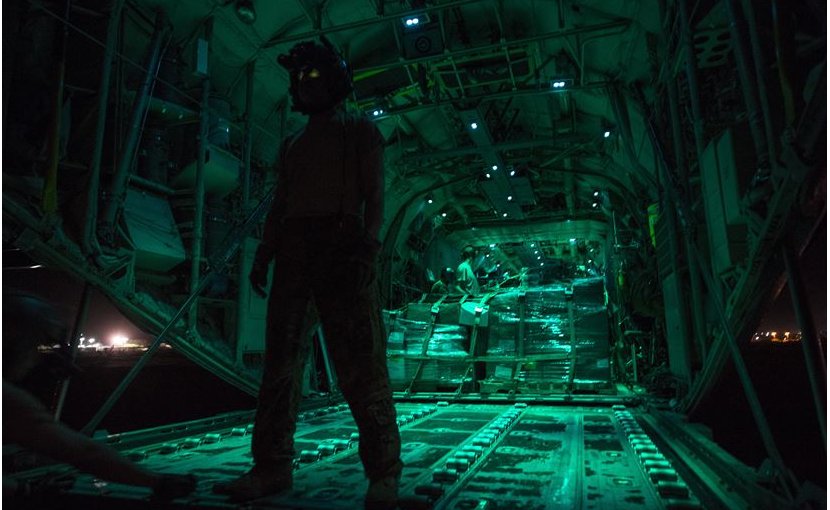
{"x": 508, "y": 146}
{"x": 560, "y": 226}
{"x": 314, "y": 15}
{"x": 378, "y": 5}
{"x": 507, "y": 94}
{"x": 609, "y": 177}
{"x": 363, "y": 23}
{"x": 495, "y": 46}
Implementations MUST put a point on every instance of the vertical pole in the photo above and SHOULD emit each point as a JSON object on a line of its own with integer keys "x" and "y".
{"x": 679, "y": 349}
{"x": 249, "y": 135}
{"x": 691, "y": 74}
{"x": 813, "y": 356}
{"x": 80, "y": 321}
{"x": 695, "y": 272}
{"x": 12, "y": 11}
{"x": 50, "y": 181}
{"x": 142, "y": 99}
{"x": 100, "y": 127}
{"x": 696, "y": 297}
{"x": 520, "y": 343}
{"x": 748, "y": 87}
{"x": 572, "y": 334}
{"x": 199, "y": 187}
{"x": 520, "y": 346}
{"x": 244, "y": 290}
{"x": 760, "y": 79}
{"x": 634, "y": 360}
{"x": 331, "y": 375}
{"x": 782, "y": 65}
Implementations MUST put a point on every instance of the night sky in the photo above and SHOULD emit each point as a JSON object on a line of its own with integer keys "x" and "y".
{"x": 813, "y": 267}
{"x": 65, "y": 292}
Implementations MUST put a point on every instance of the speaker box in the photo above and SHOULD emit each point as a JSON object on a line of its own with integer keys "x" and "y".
{"x": 423, "y": 42}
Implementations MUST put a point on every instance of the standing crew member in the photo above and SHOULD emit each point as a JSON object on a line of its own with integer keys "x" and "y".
{"x": 322, "y": 232}
{"x": 442, "y": 286}
{"x": 465, "y": 278}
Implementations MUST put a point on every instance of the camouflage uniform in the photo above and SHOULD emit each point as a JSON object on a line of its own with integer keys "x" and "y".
{"x": 315, "y": 235}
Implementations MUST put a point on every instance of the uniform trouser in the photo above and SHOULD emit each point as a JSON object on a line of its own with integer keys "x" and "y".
{"x": 313, "y": 265}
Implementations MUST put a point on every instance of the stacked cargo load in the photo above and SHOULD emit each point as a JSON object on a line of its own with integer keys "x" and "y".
{"x": 592, "y": 370}
{"x": 549, "y": 339}
{"x": 446, "y": 342}
{"x": 505, "y": 312}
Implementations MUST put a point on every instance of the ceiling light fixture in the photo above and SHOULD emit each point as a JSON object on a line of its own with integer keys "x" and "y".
{"x": 561, "y": 83}
{"x": 416, "y": 18}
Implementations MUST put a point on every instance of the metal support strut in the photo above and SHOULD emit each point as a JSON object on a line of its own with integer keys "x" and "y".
{"x": 80, "y": 322}
{"x": 813, "y": 355}
{"x": 218, "y": 262}
{"x": 142, "y": 100}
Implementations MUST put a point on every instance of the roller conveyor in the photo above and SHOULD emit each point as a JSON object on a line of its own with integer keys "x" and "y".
{"x": 457, "y": 456}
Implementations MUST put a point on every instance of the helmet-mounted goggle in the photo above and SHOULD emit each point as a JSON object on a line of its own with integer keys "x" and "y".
{"x": 309, "y": 60}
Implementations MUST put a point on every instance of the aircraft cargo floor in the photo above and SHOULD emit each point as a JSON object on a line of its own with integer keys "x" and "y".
{"x": 457, "y": 456}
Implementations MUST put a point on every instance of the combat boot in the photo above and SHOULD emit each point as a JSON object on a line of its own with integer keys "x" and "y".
{"x": 382, "y": 494}
{"x": 255, "y": 484}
